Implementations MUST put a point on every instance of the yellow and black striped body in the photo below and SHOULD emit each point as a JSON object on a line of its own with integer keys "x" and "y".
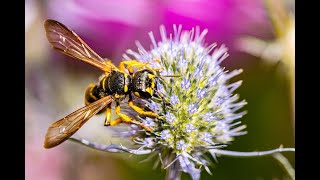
{"x": 119, "y": 84}
{"x": 92, "y": 94}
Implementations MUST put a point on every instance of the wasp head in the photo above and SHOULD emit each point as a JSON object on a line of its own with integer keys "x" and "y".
{"x": 144, "y": 83}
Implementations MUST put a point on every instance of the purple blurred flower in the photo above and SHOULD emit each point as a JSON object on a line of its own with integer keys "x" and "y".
{"x": 111, "y": 27}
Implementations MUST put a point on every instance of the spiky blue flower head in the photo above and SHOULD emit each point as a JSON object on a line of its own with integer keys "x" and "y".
{"x": 203, "y": 114}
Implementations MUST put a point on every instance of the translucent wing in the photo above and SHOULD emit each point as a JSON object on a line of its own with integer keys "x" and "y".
{"x": 68, "y": 42}
{"x": 67, "y": 126}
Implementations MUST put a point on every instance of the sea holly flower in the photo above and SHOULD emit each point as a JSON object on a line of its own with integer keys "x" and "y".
{"x": 199, "y": 113}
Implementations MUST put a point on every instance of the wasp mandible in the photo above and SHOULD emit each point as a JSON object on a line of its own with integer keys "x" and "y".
{"x": 116, "y": 84}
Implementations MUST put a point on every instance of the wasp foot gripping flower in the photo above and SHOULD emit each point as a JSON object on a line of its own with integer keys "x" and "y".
{"x": 196, "y": 104}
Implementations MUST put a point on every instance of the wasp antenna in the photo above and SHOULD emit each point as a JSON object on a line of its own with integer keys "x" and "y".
{"x": 171, "y": 76}
{"x": 164, "y": 76}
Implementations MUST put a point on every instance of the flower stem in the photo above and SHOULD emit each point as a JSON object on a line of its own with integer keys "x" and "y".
{"x": 173, "y": 171}
{"x": 108, "y": 148}
{"x": 250, "y": 154}
{"x": 285, "y": 164}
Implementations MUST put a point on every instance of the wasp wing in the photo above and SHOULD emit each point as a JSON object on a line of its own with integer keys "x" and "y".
{"x": 68, "y": 42}
{"x": 61, "y": 130}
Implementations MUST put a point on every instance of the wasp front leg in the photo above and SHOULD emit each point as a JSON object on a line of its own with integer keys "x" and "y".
{"x": 136, "y": 64}
{"x": 140, "y": 110}
{"x": 126, "y": 119}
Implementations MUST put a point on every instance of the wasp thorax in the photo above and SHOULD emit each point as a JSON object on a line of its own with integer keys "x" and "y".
{"x": 144, "y": 83}
{"x": 116, "y": 83}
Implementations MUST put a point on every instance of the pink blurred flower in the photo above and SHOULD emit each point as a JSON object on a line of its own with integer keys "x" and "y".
{"x": 43, "y": 164}
{"x": 111, "y": 27}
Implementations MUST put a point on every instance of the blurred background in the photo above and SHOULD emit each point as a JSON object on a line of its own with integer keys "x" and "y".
{"x": 259, "y": 35}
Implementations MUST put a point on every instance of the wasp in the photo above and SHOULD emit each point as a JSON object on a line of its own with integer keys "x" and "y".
{"x": 115, "y": 85}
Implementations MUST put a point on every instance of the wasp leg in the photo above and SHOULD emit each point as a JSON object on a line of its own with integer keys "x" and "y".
{"x": 108, "y": 115}
{"x": 108, "y": 61}
{"x": 123, "y": 63}
{"x": 140, "y": 110}
{"x": 134, "y": 63}
{"x": 116, "y": 122}
{"x": 126, "y": 119}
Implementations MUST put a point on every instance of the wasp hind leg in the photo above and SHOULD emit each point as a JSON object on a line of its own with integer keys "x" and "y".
{"x": 126, "y": 119}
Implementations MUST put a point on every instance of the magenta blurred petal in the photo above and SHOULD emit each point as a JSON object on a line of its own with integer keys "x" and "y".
{"x": 111, "y": 27}
{"x": 225, "y": 19}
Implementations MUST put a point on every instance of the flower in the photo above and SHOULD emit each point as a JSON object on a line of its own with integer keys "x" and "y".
{"x": 204, "y": 111}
